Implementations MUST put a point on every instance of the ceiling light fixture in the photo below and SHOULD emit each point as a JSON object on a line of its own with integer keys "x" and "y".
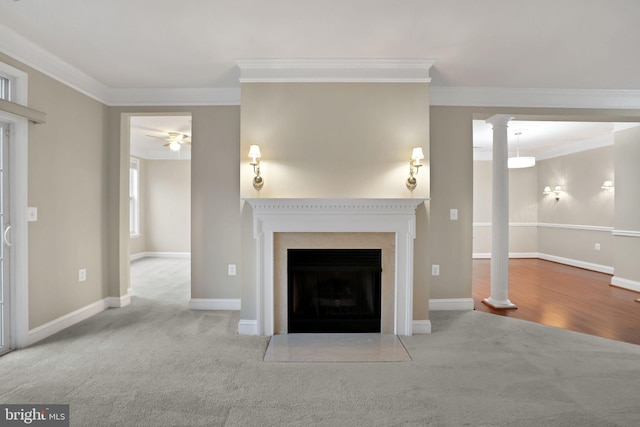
{"x": 607, "y": 185}
{"x": 520, "y": 162}
{"x": 174, "y": 146}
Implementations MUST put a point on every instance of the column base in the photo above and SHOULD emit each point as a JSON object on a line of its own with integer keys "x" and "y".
{"x": 499, "y": 305}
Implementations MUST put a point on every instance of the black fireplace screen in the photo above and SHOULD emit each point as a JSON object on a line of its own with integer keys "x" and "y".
{"x": 334, "y": 290}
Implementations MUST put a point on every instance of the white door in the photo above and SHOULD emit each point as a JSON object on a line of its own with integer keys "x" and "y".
{"x": 5, "y": 309}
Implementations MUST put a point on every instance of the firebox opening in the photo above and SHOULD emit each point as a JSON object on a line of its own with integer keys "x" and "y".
{"x": 334, "y": 290}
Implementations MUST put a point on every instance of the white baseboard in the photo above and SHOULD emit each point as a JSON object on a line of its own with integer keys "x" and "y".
{"x": 421, "y": 327}
{"x": 487, "y": 255}
{"x": 632, "y": 285}
{"x": 140, "y": 255}
{"x": 442, "y": 304}
{"x": 577, "y": 263}
{"x": 137, "y": 256}
{"x": 248, "y": 327}
{"x": 568, "y": 261}
{"x": 214, "y": 304}
{"x": 53, "y": 327}
{"x": 122, "y": 301}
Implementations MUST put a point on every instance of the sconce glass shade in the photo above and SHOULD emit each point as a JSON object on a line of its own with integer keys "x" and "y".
{"x": 557, "y": 189}
{"x": 254, "y": 152}
{"x": 417, "y": 155}
{"x": 607, "y": 185}
{"x": 520, "y": 162}
{"x": 174, "y": 146}
{"x": 547, "y": 190}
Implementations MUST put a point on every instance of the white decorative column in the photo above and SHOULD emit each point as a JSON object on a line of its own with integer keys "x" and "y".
{"x": 500, "y": 216}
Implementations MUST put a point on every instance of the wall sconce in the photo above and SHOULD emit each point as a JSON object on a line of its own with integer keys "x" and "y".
{"x": 254, "y": 153}
{"x": 556, "y": 191}
{"x": 414, "y": 167}
{"x": 607, "y": 185}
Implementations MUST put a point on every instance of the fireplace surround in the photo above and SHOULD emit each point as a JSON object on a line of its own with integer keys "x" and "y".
{"x": 397, "y": 216}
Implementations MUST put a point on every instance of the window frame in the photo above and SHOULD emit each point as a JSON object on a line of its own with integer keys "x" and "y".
{"x": 134, "y": 197}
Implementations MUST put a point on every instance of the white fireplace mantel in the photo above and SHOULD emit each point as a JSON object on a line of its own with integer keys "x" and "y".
{"x": 334, "y": 215}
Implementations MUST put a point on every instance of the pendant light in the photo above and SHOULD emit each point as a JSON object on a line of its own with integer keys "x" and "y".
{"x": 520, "y": 162}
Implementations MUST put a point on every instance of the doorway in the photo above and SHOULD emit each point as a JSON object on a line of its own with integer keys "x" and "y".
{"x": 160, "y": 187}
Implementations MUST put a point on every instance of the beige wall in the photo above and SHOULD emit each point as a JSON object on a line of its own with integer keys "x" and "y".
{"x": 523, "y": 209}
{"x": 582, "y": 203}
{"x": 167, "y": 196}
{"x": 627, "y": 204}
{"x": 334, "y": 140}
{"x": 67, "y": 166}
{"x": 449, "y": 242}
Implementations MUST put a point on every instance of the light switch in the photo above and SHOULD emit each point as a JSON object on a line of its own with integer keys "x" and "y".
{"x": 453, "y": 214}
{"x": 231, "y": 269}
{"x": 32, "y": 214}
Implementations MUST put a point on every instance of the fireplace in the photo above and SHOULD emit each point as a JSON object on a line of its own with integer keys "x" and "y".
{"x": 340, "y": 217}
{"x": 334, "y": 290}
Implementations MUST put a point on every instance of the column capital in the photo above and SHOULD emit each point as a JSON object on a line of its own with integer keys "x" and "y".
{"x": 500, "y": 119}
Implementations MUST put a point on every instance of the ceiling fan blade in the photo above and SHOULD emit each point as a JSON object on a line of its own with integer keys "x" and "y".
{"x": 164, "y": 138}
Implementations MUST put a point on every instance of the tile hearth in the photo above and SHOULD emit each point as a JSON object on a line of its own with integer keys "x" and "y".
{"x": 370, "y": 347}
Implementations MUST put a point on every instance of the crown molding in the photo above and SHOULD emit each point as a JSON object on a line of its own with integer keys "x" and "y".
{"x": 32, "y": 55}
{"x": 311, "y": 70}
{"x": 528, "y": 97}
{"x": 335, "y": 70}
{"x": 174, "y": 96}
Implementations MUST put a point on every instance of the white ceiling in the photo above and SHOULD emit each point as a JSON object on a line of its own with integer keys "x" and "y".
{"x": 546, "y": 139}
{"x": 147, "y": 131}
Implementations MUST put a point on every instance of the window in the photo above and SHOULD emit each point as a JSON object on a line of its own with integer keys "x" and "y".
{"x": 5, "y": 88}
{"x": 134, "y": 197}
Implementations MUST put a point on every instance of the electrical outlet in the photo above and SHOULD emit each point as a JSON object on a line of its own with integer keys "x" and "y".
{"x": 597, "y": 247}
{"x": 453, "y": 214}
{"x": 82, "y": 275}
{"x": 435, "y": 270}
{"x": 231, "y": 269}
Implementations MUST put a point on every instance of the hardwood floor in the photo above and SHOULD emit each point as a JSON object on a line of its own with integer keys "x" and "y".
{"x": 563, "y": 296}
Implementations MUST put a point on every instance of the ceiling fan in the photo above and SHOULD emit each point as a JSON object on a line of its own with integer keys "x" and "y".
{"x": 175, "y": 140}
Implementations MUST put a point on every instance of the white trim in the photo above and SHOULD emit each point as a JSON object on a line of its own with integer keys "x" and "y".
{"x": 421, "y": 327}
{"x": 529, "y": 97}
{"x": 214, "y": 304}
{"x": 576, "y": 227}
{"x": 248, "y": 327}
{"x": 443, "y": 304}
{"x": 27, "y": 52}
{"x": 632, "y": 285}
{"x": 514, "y": 255}
{"x": 121, "y": 301}
{"x": 43, "y": 331}
{"x": 626, "y": 233}
{"x": 335, "y": 70}
{"x": 576, "y": 263}
{"x": 511, "y": 224}
{"x": 19, "y": 264}
{"x": 19, "y": 83}
{"x": 174, "y": 97}
{"x": 276, "y": 215}
{"x": 147, "y": 254}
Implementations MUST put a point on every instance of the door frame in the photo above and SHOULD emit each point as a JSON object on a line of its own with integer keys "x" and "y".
{"x": 19, "y": 260}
